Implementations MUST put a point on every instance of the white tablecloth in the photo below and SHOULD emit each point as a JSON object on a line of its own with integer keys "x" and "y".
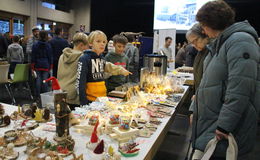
{"x": 145, "y": 144}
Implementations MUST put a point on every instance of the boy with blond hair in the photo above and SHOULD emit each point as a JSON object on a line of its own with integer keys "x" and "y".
{"x": 91, "y": 69}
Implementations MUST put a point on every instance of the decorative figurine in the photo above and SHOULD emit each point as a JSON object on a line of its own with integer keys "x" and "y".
{"x": 93, "y": 139}
{"x": 62, "y": 117}
{"x": 129, "y": 149}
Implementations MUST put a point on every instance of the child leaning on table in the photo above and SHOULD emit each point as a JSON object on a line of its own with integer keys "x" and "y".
{"x": 91, "y": 68}
{"x": 118, "y": 58}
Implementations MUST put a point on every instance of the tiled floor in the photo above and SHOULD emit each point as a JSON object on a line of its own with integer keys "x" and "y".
{"x": 175, "y": 145}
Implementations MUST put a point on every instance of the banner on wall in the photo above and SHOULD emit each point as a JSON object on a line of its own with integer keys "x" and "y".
{"x": 159, "y": 41}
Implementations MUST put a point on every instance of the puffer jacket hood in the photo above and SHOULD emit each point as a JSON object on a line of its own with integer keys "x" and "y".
{"x": 70, "y": 55}
{"x": 237, "y": 27}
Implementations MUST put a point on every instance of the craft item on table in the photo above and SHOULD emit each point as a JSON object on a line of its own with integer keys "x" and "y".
{"x": 10, "y": 136}
{"x": 26, "y": 110}
{"x": 93, "y": 119}
{"x": 111, "y": 154}
{"x": 141, "y": 121}
{"x": 124, "y": 123}
{"x": 94, "y": 140}
{"x": 151, "y": 127}
{"x": 114, "y": 119}
{"x": 32, "y": 142}
{"x": 4, "y": 120}
{"x": 134, "y": 124}
{"x": 129, "y": 149}
{"x": 124, "y": 135}
{"x": 145, "y": 132}
{"x": 42, "y": 115}
{"x": 8, "y": 153}
{"x": 155, "y": 121}
{"x": 60, "y": 150}
{"x": 99, "y": 148}
{"x": 2, "y": 110}
{"x": 51, "y": 127}
{"x": 80, "y": 157}
{"x": 62, "y": 112}
{"x": 22, "y": 139}
{"x": 25, "y": 124}
{"x": 156, "y": 115}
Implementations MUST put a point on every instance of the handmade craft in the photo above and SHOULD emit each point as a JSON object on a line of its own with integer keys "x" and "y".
{"x": 62, "y": 112}
{"x": 128, "y": 149}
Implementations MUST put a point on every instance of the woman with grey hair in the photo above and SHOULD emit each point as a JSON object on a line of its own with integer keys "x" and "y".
{"x": 199, "y": 40}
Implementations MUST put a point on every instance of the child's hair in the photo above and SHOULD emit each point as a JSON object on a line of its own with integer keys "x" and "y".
{"x": 130, "y": 38}
{"x": 93, "y": 34}
{"x": 16, "y": 39}
{"x": 120, "y": 39}
{"x": 80, "y": 37}
{"x": 43, "y": 36}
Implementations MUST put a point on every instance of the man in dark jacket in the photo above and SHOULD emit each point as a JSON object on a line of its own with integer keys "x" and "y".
{"x": 57, "y": 44}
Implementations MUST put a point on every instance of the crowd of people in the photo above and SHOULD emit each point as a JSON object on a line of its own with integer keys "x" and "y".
{"x": 81, "y": 67}
{"x": 225, "y": 56}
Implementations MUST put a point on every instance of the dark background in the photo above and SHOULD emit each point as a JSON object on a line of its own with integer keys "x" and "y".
{"x": 115, "y": 16}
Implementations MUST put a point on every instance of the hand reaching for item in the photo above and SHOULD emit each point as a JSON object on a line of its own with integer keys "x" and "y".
{"x": 126, "y": 73}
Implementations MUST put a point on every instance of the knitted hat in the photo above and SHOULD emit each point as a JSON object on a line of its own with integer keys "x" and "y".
{"x": 94, "y": 137}
{"x": 100, "y": 148}
{"x": 55, "y": 83}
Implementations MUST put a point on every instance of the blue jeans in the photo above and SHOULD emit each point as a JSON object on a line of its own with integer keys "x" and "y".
{"x": 40, "y": 86}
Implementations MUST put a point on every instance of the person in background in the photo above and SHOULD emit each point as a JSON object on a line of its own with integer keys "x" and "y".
{"x": 3, "y": 46}
{"x": 41, "y": 62}
{"x": 166, "y": 49}
{"x": 227, "y": 100}
{"x": 91, "y": 68}
{"x": 67, "y": 68}
{"x": 33, "y": 39}
{"x": 191, "y": 53}
{"x": 180, "y": 57}
{"x": 14, "y": 54}
{"x": 132, "y": 54}
{"x": 8, "y": 38}
{"x": 119, "y": 58}
{"x": 57, "y": 44}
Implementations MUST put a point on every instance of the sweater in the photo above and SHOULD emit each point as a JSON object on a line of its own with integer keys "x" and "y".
{"x": 120, "y": 60}
{"x": 90, "y": 76}
{"x": 41, "y": 56}
{"x": 15, "y": 53}
{"x": 58, "y": 44}
{"x": 67, "y": 73}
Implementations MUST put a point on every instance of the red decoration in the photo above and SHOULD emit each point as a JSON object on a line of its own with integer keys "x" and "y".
{"x": 94, "y": 137}
{"x": 55, "y": 83}
{"x": 100, "y": 148}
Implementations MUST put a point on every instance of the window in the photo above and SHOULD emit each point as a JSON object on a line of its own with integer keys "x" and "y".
{"x": 4, "y": 26}
{"x": 48, "y": 5}
{"x": 18, "y": 27}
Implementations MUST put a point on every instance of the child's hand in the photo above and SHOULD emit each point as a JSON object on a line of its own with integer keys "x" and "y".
{"x": 126, "y": 73}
